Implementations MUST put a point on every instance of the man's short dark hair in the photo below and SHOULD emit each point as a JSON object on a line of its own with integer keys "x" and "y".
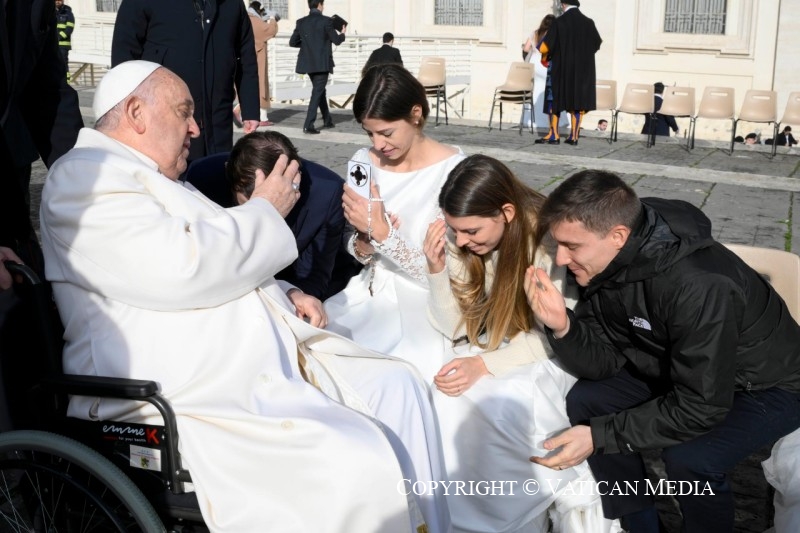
{"x": 314, "y": 4}
{"x": 601, "y": 121}
{"x": 257, "y": 150}
{"x": 388, "y": 37}
{"x": 599, "y": 200}
{"x": 658, "y": 87}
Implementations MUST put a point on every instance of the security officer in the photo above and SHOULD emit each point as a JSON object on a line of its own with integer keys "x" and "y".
{"x": 65, "y": 23}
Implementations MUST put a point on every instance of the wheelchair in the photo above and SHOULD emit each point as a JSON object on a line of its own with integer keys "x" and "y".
{"x": 61, "y": 474}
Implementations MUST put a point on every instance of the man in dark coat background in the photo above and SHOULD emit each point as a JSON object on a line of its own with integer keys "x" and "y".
{"x": 39, "y": 114}
{"x": 571, "y": 43}
{"x": 209, "y": 44}
{"x": 385, "y": 54}
{"x": 313, "y": 35}
{"x": 663, "y": 123}
{"x": 39, "y": 117}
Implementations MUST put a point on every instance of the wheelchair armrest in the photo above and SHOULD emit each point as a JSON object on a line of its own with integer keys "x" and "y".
{"x": 128, "y": 389}
{"x": 102, "y": 386}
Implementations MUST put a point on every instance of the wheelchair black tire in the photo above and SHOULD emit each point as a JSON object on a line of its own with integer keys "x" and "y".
{"x": 51, "y": 483}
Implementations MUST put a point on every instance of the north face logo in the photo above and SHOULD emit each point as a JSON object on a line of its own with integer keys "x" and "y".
{"x": 640, "y": 323}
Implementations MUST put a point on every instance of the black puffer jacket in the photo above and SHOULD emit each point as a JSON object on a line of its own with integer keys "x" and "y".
{"x": 679, "y": 308}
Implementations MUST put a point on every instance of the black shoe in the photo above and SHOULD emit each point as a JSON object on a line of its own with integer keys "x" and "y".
{"x": 329, "y": 125}
{"x": 311, "y": 130}
{"x": 571, "y": 142}
{"x": 545, "y": 140}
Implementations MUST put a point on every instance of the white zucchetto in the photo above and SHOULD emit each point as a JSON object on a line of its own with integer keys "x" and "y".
{"x": 118, "y": 83}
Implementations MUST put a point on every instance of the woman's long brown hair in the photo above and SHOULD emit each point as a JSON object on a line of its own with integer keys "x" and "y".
{"x": 480, "y": 186}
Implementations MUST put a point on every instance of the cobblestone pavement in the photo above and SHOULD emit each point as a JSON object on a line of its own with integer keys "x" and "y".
{"x": 749, "y": 197}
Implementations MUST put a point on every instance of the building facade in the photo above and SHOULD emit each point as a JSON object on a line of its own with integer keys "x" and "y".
{"x": 744, "y": 44}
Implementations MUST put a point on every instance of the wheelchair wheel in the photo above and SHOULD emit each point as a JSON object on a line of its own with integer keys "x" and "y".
{"x": 50, "y": 483}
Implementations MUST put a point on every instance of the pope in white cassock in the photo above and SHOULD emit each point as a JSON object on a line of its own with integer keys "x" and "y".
{"x": 155, "y": 281}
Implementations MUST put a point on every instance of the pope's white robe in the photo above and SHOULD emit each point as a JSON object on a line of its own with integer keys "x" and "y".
{"x": 154, "y": 281}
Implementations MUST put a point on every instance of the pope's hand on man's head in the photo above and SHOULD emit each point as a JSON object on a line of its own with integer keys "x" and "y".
{"x": 281, "y": 187}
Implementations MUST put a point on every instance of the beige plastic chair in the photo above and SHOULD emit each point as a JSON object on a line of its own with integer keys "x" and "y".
{"x": 791, "y": 115}
{"x": 433, "y": 77}
{"x": 678, "y": 102}
{"x": 718, "y": 103}
{"x": 759, "y": 106}
{"x": 638, "y": 99}
{"x": 517, "y": 89}
{"x": 782, "y": 270}
{"x": 606, "y": 96}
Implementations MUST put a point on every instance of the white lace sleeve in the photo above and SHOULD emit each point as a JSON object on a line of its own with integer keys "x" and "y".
{"x": 396, "y": 249}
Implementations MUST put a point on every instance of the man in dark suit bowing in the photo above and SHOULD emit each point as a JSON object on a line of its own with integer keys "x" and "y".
{"x": 316, "y": 220}
{"x": 385, "y": 54}
{"x": 313, "y": 35}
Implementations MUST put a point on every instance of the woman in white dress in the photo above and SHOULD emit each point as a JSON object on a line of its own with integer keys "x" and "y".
{"x": 383, "y": 308}
{"x": 502, "y": 395}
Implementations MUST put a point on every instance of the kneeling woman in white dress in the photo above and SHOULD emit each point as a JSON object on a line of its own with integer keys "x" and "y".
{"x": 502, "y": 395}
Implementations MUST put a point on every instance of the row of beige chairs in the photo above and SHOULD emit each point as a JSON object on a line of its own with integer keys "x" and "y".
{"x": 717, "y": 103}
{"x": 517, "y": 89}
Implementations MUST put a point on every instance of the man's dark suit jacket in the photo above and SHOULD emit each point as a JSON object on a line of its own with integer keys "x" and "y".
{"x": 317, "y": 221}
{"x": 39, "y": 113}
{"x": 313, "y": 35}
{"x": 664, "y": 123}
{"x": 785, "y": 138}
{"x": 384, "y": 54}
{"x": 212, "y": 57}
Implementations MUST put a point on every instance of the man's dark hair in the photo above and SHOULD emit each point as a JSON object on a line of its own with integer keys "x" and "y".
{"x": 257, "y": 150}
{"x": 314, "y": 4}
{"x": 599, "y": 200}
{"x": 388, "y": 37}
{"x": 658, "y": 87}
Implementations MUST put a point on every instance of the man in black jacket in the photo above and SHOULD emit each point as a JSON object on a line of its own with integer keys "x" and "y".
{"x": 39, "y": 114}
{"x": 678, "y": 343}
{"x": 385, "y": 54}
{"x": 209, "y": 45}
{"x": 313, "y": 35}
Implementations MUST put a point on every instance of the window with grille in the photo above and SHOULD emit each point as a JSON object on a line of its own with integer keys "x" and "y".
{"x": 281, "y": 7}
{"x": 458, "y": 12}
{"x": 705, "y": 17}
{"x": 107, "y": 6}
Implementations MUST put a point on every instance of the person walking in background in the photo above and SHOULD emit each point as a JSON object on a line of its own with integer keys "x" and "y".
{"x": 265, "y": 27}
{"x": 663, "y": 123}
{"x": 65, "y": 24}
{"x": 209, "y": 45}
{"x": 313, "y": 35}
{"x": 785, "y": 138}
{"x": 385, "y": 54}
{"x": 571, "y": 44}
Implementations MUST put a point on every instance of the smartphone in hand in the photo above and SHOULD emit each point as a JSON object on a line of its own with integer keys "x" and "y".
{"x": 359, "y": 177}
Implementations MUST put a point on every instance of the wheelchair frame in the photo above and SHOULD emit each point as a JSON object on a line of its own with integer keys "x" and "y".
{"x": 78, "y": 456}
